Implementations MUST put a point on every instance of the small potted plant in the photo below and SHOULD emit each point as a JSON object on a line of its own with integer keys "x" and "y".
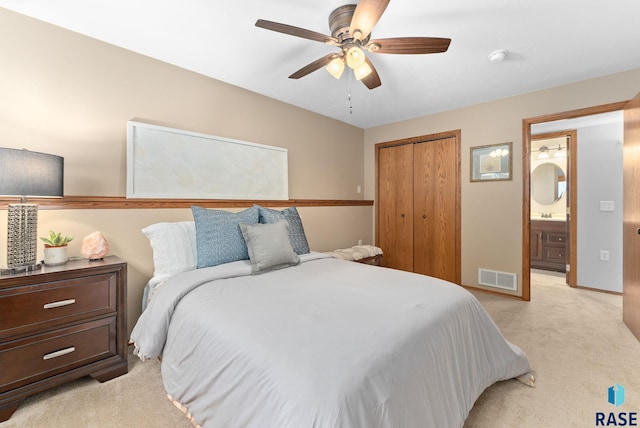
{"x": 55, "y": 248}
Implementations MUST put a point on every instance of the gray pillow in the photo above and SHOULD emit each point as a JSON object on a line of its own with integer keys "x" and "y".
{"x": 218, "y": 236}
{"x": 269, "y": 246}
{"x": 296, "y": 231}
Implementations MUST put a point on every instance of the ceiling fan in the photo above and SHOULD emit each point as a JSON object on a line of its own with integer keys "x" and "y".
{"x": 351, "y": 27}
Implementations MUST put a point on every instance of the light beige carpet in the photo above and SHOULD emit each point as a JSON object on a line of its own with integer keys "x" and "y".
{"x": 579, "y": 347}
{"x": 575, "y": 340}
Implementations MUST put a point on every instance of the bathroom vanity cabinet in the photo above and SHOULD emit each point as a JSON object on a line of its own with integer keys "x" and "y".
{"x": 549, "y": 245}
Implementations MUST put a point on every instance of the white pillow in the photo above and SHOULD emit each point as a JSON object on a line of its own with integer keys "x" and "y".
{"x": 174, "y": 247}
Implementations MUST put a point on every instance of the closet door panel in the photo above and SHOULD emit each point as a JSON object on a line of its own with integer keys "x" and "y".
{"x": 395, "y": 210}
{"x": 435, "y": 190}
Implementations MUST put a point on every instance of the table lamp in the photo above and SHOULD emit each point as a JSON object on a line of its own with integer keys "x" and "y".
{"x": 25, "y": 173}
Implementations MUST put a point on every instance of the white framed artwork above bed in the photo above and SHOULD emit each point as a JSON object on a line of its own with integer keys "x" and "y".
{"x": 277, "y": 335}
{"x": 170, "y": 163}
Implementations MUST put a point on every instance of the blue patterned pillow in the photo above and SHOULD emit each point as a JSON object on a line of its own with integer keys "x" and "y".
{"x": 218, "y": 235}
{"x": 296, "y": 231}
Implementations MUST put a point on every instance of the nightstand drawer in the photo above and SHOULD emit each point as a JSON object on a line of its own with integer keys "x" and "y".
{"x": 29, "y": 308}
{"x": 34, "y": 358}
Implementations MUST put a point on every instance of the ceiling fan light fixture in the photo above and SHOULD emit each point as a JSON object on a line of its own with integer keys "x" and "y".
{"x": 355, "y": 57}
{"x": 362, "y": 71}
{"x": 336, "y": 67}
{"x": 351, "y": 26}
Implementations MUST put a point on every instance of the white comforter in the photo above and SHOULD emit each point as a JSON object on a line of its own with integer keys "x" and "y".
{"x": 327, "y": 343}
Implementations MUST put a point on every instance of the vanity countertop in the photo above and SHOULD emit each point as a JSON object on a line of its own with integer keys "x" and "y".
{"x": 558, "y": 218}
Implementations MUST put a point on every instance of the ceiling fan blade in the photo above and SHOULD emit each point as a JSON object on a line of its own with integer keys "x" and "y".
{"x": 315, "y": 65}
{"x": 366, "y": 16}
{"x": 409, "y": 45}
{"x": 372, "y": 80}
{"x": 296, "y": 31}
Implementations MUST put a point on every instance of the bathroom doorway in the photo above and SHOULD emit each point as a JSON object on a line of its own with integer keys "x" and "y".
{"x": 591, "y": 252}
{"x": 553, "y": 214}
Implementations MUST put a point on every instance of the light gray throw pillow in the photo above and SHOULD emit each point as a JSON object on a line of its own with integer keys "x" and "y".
{"x": 269, "y": 246}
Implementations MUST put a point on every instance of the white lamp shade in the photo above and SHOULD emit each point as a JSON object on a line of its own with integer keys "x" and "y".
{"x": 355, "y": 57}
{"x": 336, "y": 67}
{"x": 362, "y": 71}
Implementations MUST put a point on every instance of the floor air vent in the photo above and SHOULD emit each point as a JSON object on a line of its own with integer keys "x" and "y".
{"x": 493, "y": 278}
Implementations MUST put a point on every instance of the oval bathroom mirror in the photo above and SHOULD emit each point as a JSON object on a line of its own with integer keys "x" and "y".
{"x": 548, "y": 183}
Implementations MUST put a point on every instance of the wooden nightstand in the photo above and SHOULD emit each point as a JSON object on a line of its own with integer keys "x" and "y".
{"x": 61, "y": 323}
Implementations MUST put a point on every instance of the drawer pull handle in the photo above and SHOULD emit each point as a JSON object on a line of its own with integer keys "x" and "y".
{"x": 59, "y": 353}
{"x": 60, "y": 303}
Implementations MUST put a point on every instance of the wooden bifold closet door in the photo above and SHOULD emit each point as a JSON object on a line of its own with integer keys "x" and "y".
{"x": 395, "y": 206}
{"x": 418, "y": 206}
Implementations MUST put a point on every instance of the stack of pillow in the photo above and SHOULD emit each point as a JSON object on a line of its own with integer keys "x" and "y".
{"x": 270, "y": 239}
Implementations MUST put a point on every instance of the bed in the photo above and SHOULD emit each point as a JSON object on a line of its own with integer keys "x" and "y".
{"x": 321, "y": 342}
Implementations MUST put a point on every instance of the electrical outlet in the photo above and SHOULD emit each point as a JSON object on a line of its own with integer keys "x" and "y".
{"x": 604, "y": 255}
{"x": 359, "y": 241}
{"x": 358, "y": 189}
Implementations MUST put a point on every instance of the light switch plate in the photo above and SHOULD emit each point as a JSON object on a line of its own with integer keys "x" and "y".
{"x": 607, "y": 206}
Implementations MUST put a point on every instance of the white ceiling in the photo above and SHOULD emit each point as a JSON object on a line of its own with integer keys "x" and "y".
{"x": 550, "y": 43}
{"x": 613, "y": 117}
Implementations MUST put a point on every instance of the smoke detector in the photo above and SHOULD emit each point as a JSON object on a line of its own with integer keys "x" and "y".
{"x": 498, "y": 55}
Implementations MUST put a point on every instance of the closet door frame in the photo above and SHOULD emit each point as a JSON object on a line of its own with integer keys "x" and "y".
{"x": 456, "y": 134}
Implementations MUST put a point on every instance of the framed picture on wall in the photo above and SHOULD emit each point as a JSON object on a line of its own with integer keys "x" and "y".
{"x": 491, "y": 163}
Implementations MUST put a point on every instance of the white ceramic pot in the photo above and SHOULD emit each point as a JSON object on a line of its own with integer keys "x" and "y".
{"x": 54, "y": 256}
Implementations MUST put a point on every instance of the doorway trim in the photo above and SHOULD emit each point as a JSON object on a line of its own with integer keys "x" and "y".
{"x": 571, "y": 139}
{"x": 526, "y": 181}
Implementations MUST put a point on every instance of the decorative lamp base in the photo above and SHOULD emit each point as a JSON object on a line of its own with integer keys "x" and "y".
{"x": 22, "y": 237}
{"x": 20, "y": 269}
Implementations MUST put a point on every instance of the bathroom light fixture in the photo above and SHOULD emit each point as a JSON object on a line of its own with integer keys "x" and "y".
{"x": 560, "y": 153}
{"x": 544, "y": 152}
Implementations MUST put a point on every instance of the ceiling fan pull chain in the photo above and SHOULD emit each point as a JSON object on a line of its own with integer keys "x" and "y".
{"x": 349, "y": 95}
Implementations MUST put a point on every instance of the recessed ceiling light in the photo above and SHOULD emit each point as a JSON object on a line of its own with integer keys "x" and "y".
{"x": 498, "y": 56}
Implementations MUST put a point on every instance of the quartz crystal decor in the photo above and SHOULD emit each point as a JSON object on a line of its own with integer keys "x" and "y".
{"x": 94, "y": 246}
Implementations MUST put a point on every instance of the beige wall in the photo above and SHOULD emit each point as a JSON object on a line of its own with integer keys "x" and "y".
{"x": 67, "y": 94}
{"x": 492, "y": 212}
{"x": 326, "y": 228}
{"x": 71, "y": 95}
